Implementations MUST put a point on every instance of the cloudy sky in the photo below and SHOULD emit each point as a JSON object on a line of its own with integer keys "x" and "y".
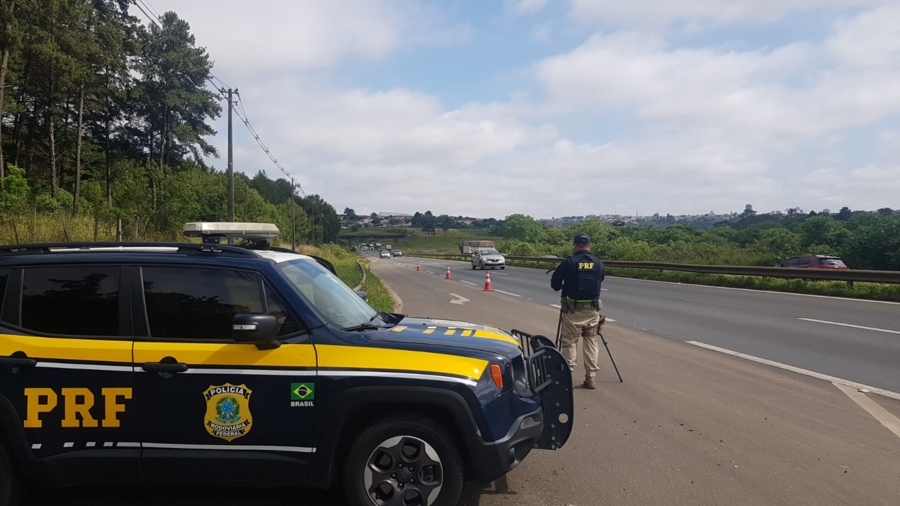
{"x": 566, "y": 107}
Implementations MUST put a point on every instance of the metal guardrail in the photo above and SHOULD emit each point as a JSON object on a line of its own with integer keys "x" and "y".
{"x": 849, "y": 275}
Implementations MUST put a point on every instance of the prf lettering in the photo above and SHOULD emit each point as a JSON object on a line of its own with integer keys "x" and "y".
{"x": 77, "y": 404}
{"x": 586, "y": 266}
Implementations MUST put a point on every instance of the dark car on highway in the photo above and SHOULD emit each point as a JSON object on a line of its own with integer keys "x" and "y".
{"x": 815, "y": 262}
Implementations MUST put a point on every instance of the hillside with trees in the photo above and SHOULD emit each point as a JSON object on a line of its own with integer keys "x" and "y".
{"x": 105, "y": 119}
{"x": 864, "y": 240}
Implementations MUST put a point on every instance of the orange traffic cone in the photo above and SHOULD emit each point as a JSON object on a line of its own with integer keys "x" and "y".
{"x": 487, "y": 283}
{"x": 418, "y": 267}
{"x": 448, "y": 273}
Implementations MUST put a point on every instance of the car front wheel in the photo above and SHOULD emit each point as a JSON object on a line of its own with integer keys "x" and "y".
{"x": 10, "y": 482}
{"x": 403, "y": 459}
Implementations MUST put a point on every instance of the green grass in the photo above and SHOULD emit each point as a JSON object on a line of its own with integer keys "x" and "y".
{"x": 379, "y": 298}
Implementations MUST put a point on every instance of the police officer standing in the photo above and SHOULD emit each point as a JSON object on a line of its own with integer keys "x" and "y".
{"x": 579, "y": 277}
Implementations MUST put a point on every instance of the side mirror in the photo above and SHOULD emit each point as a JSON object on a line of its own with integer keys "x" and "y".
{"x": 363, "y": 295}
{"x": 255, "y": 328}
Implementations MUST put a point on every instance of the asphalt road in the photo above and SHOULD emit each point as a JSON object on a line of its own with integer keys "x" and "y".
{"x": 773, "y": 326}
{"x": 688, "y": 426}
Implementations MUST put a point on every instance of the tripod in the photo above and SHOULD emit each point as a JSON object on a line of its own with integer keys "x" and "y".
{"x": 602, "y": 339}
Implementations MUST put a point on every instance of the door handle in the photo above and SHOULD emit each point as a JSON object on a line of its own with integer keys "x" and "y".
{"x": 18, "y": 359}
{"x": 167, "y": 364}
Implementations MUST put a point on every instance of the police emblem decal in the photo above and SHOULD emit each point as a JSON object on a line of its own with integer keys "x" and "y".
{"x": 228, "y": 411}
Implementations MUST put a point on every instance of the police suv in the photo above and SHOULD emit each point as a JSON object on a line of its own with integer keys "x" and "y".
{"x": 206, "y": 363}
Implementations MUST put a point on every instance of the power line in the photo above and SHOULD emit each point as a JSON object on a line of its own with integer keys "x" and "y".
{"x": 242, "y": 114}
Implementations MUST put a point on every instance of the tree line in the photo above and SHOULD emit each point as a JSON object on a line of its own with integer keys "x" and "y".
{"x": 105, "y": 119}
{"x": 864, "y": 240}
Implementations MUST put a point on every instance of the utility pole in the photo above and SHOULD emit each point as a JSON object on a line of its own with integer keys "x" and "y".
{"x": 293, "y": 223}
{"x": 230, "y": 157}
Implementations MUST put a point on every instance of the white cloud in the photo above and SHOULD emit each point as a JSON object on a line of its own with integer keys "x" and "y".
{"x": 655, "y": 12}
{"x": 520, "y": 7}
{"x": 703, "y": 127}
{"x": 785, "y": 95}
{"x": 274, "y": 36}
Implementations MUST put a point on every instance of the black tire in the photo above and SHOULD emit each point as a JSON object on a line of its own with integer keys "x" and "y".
{"x": 368, "y": 455}
{"x": 504, "y": 267}
{"x": 473, "y": 267}
{"x": 11, "y": 488}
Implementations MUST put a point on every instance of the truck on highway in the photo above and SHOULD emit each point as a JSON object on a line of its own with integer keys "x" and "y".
{"x": 469, "y": 247}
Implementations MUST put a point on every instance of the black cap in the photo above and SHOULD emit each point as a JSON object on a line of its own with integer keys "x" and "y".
{"x": 582, "y": 238}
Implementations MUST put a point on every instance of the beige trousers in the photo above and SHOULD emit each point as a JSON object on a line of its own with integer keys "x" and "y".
{"x": 571, "y": 331}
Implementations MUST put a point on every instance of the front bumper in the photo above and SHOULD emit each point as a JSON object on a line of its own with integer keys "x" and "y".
{"x": 547, "y": 428}
{"x": 491, "y": 460}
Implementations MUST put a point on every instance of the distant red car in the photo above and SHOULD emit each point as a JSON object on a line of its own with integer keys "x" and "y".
{"x": 815, "y": 262}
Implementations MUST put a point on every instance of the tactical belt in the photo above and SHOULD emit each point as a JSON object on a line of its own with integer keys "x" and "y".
{"x": 569, "y": 305}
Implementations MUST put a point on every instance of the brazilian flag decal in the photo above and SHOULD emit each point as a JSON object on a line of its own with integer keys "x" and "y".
{"x": 303, "y": 391}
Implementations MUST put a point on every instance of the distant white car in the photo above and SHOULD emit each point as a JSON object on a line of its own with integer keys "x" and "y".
{"x": 488, "y": 258}
{"x": 385, "y": 253}
{"x": 398, "y": 253}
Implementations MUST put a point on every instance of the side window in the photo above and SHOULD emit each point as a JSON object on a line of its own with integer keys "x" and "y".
{"x": 287, "y": 324}
{"x": 192, "y": 303}
{"x": 71, "y": 300}
{"x": 803, "y": 262}
{"x": 792, "y": 262}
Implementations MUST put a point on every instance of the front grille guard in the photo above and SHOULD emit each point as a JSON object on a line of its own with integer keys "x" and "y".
{"x": 537, "y": 362}
{"x": 549, "y": 377}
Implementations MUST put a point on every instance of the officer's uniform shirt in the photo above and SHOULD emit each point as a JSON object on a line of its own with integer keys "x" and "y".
{"x": 579, "y": 276}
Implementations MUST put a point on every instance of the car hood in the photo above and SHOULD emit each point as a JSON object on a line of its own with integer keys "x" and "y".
{"x": 471, "y": 336}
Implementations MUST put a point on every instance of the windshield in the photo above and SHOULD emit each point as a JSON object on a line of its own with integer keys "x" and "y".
{"x": 334, "y": 300}
{"x": 489, "y": 252}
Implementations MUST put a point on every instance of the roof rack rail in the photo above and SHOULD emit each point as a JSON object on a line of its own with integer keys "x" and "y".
{"x": 103, "y": 247}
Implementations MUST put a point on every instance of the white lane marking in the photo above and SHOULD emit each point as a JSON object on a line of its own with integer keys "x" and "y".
{"x": 849, "y": 325}
{"x": 760, "y": 291}
{"x": 459, "y": 300}
{"x": 557, "y": 306}
{"x": 798, "y": 370}
{"x": 468, "y": 282}
{"x": 91, "y": 444}
{"x": 500, "y": 274}
{"x": 36, "y": 446}
{"x": 294, "y": 449}
{"x": 68, "y": 445}
{"x": 107, "y": 445}
{"x": 891, "y": 422}
{"x": 128, "y": 445}
{"x": 430, "y": 272}
{"x": 610, "y": 320}
{"x": 604, "y": 289}
{"x": 507, "y": 293}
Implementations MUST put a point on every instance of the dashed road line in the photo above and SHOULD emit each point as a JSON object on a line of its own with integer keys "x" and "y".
{"x": 557, "y": 306}
{"x": 849, "y": 325}
{"x": 798, "y": 370}
{"x": 890, "y": 422}
{"x": 507, "y": 293}
{"x": 468, "y": 282}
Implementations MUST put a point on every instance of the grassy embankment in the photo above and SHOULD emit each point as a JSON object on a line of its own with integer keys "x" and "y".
{"x": 869, "y": 291}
